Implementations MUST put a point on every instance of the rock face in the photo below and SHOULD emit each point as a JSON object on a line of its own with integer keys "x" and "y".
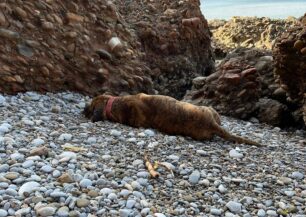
{"x": 290, "y": 66}
{"x": 243, "y": 86}
{"x": 101, "y": 46}
{"x": 175, "y": 39}
{"x": 248, "y": 32}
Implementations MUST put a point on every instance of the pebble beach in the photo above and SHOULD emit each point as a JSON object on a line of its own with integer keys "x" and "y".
{"x": 54, "y": 162}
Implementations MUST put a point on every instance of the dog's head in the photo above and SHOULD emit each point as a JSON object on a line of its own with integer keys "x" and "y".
{"x": 95, "y": 109}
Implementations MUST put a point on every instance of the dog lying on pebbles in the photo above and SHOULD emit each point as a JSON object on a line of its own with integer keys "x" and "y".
{"x": 163, "y": 113}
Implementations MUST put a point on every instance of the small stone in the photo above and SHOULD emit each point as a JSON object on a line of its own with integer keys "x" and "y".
{"x": 65, "y": 137}
{"x": 28, "y": 163}
{"x": 159, "y": 215}
{"x": 39, "y": 151}
{"x": 46, "y": 211}
{"x": 17, "y": 156}
{"x": 149, "y": 132}
{"x": 82, "y": 202}
{"x": 124, "y": 212}
{"x": 9, "y": 34}
{"x": 235, "y": 154}
{"x": 25, "y": 50}
{"x": 23, "y": 211}
{"x": 145, "y": 211}
{"x": 47, "y": 25}
{"x": 2, "y": 100}
{"x": 11, "y": 175}
{"x": 63, "y": 211}
{"x": 93, "y": 193}
{"x": 28, "y": 187}
{"x": 215, "y": 211}
{"x": 56, "y": 173}
{"x": 130, "y": 204}
{"x": 202, "y": 152}
{"x": 65, "y": 178}
{"x": 37, "y": 142}
{"x": 261, "y": 213}
{"x": 272, "y": 213}
{"x": 222, "y": 189}
{"x": 112, "y": 196}
{"x": 4, "y": 168}
{"x": 3, "y": 213}
{"x": 85, "y": 183}
{"x": 234, "y": 207}
{"x": 104, "y": 54}
{"x": 11, "y": 192}
{"x": 47, "y": 169}
{"x": 69, "y": 155}
{"x": 297, "y": 175}
{"x": 194, "y": 177}
{"x": 115, "y": 133}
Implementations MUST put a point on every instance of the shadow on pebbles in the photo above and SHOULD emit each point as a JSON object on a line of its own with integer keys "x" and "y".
{"x": 54, "y": 162}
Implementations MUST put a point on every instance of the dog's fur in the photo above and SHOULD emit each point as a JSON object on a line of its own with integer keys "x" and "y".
{"x": 163, "y": 113}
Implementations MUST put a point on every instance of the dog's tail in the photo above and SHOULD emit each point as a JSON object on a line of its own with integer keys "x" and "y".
{"x": 230, "y": 137}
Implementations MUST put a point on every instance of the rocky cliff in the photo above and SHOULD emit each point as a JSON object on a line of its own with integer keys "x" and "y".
{"x": 290, "y": 66}
{"x": 102, "y": 46}
{"x": 249, "y": 32}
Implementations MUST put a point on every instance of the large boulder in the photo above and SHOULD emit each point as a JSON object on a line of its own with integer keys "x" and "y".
{"x": 176, "y": 42}
{"x": 235, "y": 87}
{"x": 290, "y": 67}
{"x": 101, "y": 46}
{"x": 243, "y": 86}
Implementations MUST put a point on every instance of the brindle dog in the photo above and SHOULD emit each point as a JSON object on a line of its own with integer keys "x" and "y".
{"x": 163, "y": 113}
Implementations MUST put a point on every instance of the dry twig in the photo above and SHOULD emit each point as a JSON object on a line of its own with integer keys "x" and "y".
{"x": 150, "y": 168}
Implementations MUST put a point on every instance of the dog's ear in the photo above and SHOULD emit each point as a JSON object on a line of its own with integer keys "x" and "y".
{"x": 98, "y": 113}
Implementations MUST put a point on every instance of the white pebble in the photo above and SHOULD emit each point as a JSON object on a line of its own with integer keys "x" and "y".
{"x": 28, "y": 187}
{"x": 37, "y": 142}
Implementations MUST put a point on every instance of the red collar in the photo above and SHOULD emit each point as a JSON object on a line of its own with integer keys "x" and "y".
{"x": 108, "y": 108}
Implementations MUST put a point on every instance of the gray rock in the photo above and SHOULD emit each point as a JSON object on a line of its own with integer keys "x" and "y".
{"x": 47, "y": 169}
{"x": 149, "y": 132}
{"x": 28, "y": 164}
{"x": 85, "y": 183}
{"x": 37, "y": 142}
{"x": 194, "y": 177}
{"x": 2, "y": 100}
{"x": 4, "y": 168}
{"x": 297, "y": 175}
{"x": 46, "y": 211}
{"x": 130, "y": 204}
{"x": 235, "y": 154}
{"x": 63, "y": 211}
{"x": 272, "y": 213}
{"x": 28, "y": 187}
{"x": 234, "y": 206}
{"x": 115, "y": 133}
{"x": 261, "y": 213}
{"x": 65, "y": 137}
{"x": 215, "y": 211}
{"x": 124, "y": 212}
{"x": 3, "y": 213}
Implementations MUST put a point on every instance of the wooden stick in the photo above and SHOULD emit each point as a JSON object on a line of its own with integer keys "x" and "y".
{"x": 150, "y": 168}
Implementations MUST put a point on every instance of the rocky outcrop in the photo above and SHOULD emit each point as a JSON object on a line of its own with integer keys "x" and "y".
{"x": 248, "y": 32}
{"x": 243, "y": 86}
{"x": 290, "y": 66}
{"x": 102, "y": 46}
{"x": 176, "y": 42}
